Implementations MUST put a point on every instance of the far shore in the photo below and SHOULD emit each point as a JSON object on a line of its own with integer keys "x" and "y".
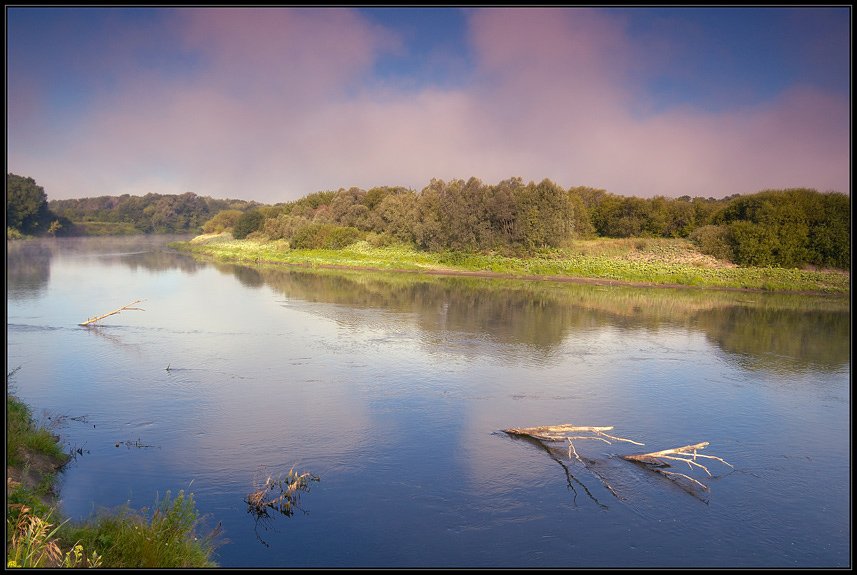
{"x": 635, "y": 262}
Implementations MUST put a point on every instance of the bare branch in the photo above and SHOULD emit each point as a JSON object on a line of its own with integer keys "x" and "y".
{"x": 619, "y": 438}
{"x": 123, "y": 308}
{"x": 560, "y": 432}
{"x": 674, "y": 450}
{"x": 691, "y": 479}
{"x": 589, "y": 437}
{"x": 687, "y": 454}
{"x": 690, "y": 462}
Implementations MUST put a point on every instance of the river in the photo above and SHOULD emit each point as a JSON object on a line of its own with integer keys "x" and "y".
{"x": 393, "y": 390}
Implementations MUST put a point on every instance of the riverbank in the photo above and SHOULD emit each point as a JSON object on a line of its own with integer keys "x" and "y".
{"x": 632, "y": 261}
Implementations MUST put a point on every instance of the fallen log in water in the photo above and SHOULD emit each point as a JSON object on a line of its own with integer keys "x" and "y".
{"x": 656, "y": 460}
{"x": 123, "y": 308}
{"x": 561, "y": 432}
{"x": 568, "y": 432}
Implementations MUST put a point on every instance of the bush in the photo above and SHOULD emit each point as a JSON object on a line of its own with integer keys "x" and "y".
{"x": 222, "y": 221}
{"x": 283, "y": 227}
{"x": 248, "y": 223}
{"x": 713, "y": 241}
{"x": 325, "y": 236}
{"x": 789, "y": 228}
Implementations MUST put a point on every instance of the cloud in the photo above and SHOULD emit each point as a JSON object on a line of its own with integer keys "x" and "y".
{"x": 277, "y": 103}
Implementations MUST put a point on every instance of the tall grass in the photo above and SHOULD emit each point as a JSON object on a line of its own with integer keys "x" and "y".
{"x": 22, "y": 434}
{"x": 167, "y": 539}
{"x": 32, "y": 542}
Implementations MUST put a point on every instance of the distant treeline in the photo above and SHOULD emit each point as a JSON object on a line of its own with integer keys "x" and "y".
{"x": 786, "y": 228}
{"x": 152, "y": 213}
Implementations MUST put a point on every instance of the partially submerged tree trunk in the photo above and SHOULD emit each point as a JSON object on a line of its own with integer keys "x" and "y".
{"x": 562, "y": 433}
{"x": 569, "y": 433}
{"x": 123, "y": 308}
{"x": 656, "y": 460}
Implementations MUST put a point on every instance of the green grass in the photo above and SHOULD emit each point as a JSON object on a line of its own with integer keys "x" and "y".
{"x": 132, "y": 539}
{"x": 23, "y": 435}
{"x": 649, "y": 261}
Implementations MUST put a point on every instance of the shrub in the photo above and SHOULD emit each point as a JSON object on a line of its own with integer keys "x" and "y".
{"x": 222, "y": 221}
{"x": 325, "y": 236}
{"x": 283, "y": 227}
{"x": 713, "y": 241}
{"x": 248, "y": 223}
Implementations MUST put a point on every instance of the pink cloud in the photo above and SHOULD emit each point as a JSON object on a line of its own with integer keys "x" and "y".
{"x": 279, "y": 106}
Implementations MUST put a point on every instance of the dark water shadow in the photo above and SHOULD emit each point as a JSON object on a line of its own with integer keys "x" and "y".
{"x": 558, "y": 455}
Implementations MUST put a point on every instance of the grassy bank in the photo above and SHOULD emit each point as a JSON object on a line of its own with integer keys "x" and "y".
{"x": 635, "y": 261}
{"x": 36, "y": 536}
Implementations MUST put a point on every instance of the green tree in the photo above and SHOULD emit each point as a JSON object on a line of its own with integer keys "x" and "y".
{"x": 222, "y": 221}
{"x": 396, "y": 215}
{"x": 248, "y": 223}
{"x": 789, "y": 228}
{"x": 26, "y": 204}
{"x": 545, "y": 216}
{"x": 830, "y": 232}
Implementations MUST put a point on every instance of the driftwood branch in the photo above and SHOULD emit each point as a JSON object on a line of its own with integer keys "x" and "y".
{"x": 688, "y": 454}
{"x": 569, "y": 433}
{"x": 123, "y": 308}
{"x": 561, "y": 432}
{"x": 655, "y": 461}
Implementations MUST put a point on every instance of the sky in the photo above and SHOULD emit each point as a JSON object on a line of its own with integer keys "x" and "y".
{"x": 271, "y": 104}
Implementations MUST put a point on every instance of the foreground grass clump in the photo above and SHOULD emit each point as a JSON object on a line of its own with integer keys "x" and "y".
{"x": 167, "y": 539}
{"x": 644, "y": 261}
{"x": 32, "y": 543}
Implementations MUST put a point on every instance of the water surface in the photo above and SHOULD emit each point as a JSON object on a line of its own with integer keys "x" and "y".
{"x": 393, "y": 389}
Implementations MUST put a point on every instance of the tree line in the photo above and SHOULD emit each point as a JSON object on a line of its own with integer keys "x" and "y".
{"x": 785, "y": 228}
{"x": 29, "y": 212}
{"x": 149, "y": 214}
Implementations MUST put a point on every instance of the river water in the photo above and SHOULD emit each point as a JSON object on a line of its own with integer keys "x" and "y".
{"x": 393, "y": 390}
